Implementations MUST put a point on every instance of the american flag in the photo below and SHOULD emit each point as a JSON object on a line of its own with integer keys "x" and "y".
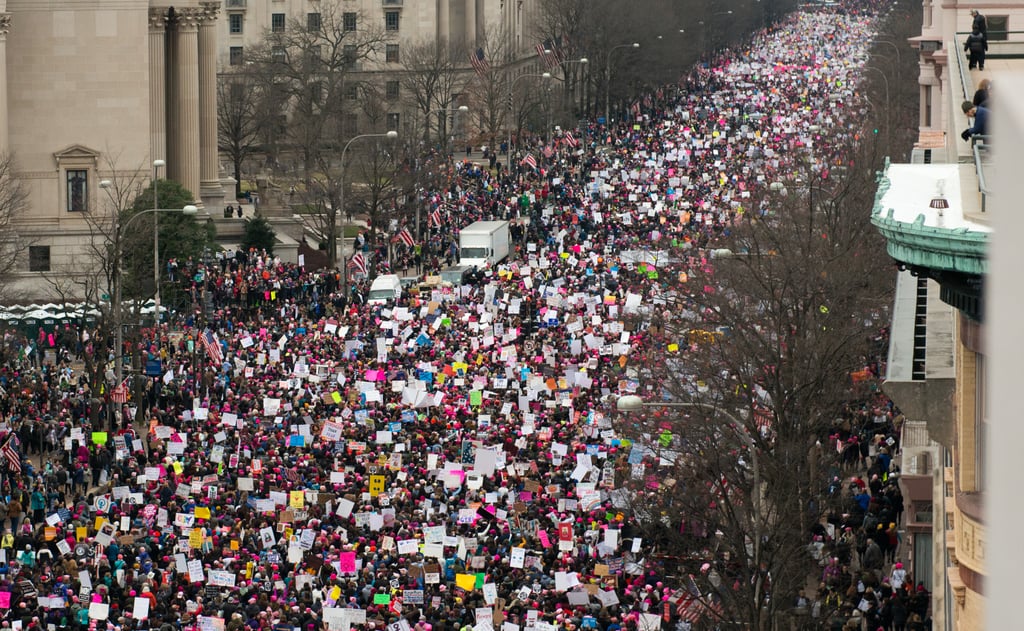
{"x": 435, "y": 217}
{"x": 547, "y": 54}
{"x": 570, "y": 139}
{"x": 688, "y": 603}
{"x": 479, "y": 62}
{"x": 357, "y": 263}
{"x": 548, "y": 151}
{"x": 636, "y": 108}
{"x": 405, "y": 237}
{"x": 211, "y": 345}
{"x": 10, "y": 454}
{"x": 529, "y": 160}
{"x": 120, "y": 393}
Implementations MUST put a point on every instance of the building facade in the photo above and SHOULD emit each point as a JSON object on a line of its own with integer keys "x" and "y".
{"x": 937, "y": 217}
{"x": 94, "y": 90}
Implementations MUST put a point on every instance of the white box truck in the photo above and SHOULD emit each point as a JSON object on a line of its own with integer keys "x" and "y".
{"x": 483, "y": 243}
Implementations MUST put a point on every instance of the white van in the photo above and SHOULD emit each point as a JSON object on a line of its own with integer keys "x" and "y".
{"x": 385, "y": 288}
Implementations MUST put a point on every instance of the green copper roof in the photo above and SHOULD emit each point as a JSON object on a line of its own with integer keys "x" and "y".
{"x": 919, "y": 235}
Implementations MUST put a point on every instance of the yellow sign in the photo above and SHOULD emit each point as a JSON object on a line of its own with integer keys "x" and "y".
{"x": 195, "y": 538}
{"x": 376, "y": 485}
{"x": 466, "y": 581}
{"x": 297, "y": 499}
{"x": 81, "y": 532}
{"x": 202, "y": 512}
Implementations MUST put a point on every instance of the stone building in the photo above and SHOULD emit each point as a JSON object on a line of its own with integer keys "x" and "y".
{"x": 94, "y": 90}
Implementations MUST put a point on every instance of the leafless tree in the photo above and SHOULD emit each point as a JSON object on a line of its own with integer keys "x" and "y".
{"x": 314, "y": 62}
{"x": 770, "y": 333}
{"x": 240, "y": 120}
{"x": 431, "y": 81}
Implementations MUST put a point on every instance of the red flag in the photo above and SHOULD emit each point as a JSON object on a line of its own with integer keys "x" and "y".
{"x": 529, "y": 160}
{"x": 570, "y": 139}
{"x": 435, "y": 217}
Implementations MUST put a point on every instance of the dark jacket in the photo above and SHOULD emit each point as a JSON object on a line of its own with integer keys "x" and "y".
{"x": 976, "y": 42}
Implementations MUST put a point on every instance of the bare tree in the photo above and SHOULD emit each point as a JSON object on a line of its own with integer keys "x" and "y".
{"x": 313, "y": 62}
{"x": 431, "y": 82}
{"x": 239, "y": 120}
{"x": 773, "y": 329}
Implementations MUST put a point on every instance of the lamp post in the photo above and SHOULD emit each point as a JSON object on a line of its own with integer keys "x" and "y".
{"x": 511, "y": 111}
{"x": 391, "y": 135}
{"x": 608, "y": 79}
{"x": 156, "y": 246}
{"x": 633, "y": 403}
{"x": 116, "y": 307}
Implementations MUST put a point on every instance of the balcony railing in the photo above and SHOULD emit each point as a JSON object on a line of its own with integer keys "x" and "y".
{"x": 392, "y": 3}
{"x": 236, "y": 4}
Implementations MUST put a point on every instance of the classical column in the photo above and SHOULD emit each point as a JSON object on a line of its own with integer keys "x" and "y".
{"x": 471, "y": 24}
{"x": 444, "y": 18}
{"x": 187, "y": 98}
{"x": 210, "y": 188}
{"x": 5, "y": 26}
{"x": 157, "y": 83}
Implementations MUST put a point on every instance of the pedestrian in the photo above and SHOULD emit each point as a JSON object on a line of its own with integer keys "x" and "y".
{"x": 976, "y": 46}
{"x": 980, "y": 115}
{"x": 979, "y": 22}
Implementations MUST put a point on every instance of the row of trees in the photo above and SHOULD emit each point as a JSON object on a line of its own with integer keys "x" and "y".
{"x": 302, "y": 93}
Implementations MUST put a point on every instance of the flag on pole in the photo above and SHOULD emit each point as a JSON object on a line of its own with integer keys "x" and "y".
{"x": 479, "y": 62}
{"x": 405, "y": 237}
{"x": 529, "y": 160}
{"x": 548, "y": 151}
{"x": 435, "y": 217}
{"x": 357, "y": 263}
{"x": 211, "y": 345}
{"x": 10, "y": 454}
{"x": 571, "y": 140}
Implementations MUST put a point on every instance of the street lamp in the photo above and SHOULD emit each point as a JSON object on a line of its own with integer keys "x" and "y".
{"x": 633, "y": 403}
{"x": 888, "y": 104}
{"x": 119, "y": 230}
{"x": 157, "y": 164}
{"x": 511, "y": 111}
{"x": 391, "y": 135}
{"x": 608, "y": 78}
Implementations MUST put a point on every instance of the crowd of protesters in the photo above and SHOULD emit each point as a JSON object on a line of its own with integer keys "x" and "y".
{"x": 305, "y": 461}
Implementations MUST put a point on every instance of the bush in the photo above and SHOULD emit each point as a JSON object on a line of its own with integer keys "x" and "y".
{"x": 259, "y": 234}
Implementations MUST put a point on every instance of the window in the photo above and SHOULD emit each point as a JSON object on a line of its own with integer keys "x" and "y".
{"x": 235, "y": 23}
{"x": 980, "y": 421}
{"x": 352, "y": 91}
{"x": 316, "y": 92}
{"x": 235, "y": 55}
{"x": 39, "y": 258}
{"x": 391, "y": 54}
{"x": 391, "y": 89}
{"x": 391, "y": 20}
{"x": 998, "y": 27}
{"x": 278, "y": 55}
{"x": 351, "y": 125}
{"x": 277, "y": 23}
{"x": 393, "y": 120}
{"x": 350, "y": 54}
{"x": 313, "y": 22}
{"x": 348, "y": 21}
{"x": 77, "y": 190}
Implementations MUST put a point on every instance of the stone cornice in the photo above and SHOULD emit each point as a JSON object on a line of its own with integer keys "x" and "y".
{"x": 5, "y": 24}
{"x": 915, "y": 244}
